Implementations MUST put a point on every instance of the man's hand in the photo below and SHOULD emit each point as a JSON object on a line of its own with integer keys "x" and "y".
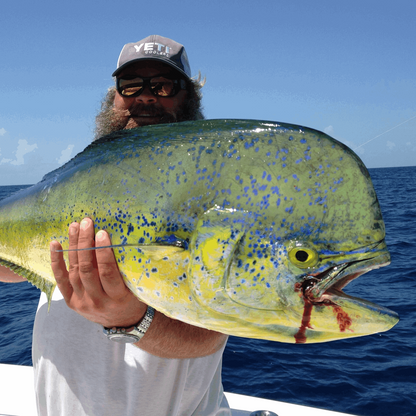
{"x": 93, "y": 286}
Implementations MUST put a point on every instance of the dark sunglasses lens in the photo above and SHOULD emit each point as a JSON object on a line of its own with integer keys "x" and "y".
{"x": 130, "y": 87}
{"x": 161, "y": 86}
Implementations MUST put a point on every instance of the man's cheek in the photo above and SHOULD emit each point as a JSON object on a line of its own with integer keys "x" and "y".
{"x": 121, "y": 103}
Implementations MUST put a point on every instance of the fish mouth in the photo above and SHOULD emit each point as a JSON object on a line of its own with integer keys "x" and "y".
{"x": 319, "y": 288}
{"x": 328, "y": 310}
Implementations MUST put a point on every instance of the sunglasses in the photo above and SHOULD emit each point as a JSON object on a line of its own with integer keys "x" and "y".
{"x": 161, "y": 86}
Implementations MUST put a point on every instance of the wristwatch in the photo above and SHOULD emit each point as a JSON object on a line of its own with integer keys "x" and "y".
{"x": 134, "y": 333}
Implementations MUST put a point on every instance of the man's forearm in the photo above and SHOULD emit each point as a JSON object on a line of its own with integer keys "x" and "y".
{"x": 7, "y": 276}
{"x": 169, "y": 338}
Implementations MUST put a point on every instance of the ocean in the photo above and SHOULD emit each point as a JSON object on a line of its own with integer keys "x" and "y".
{"x": 373, "y": 375}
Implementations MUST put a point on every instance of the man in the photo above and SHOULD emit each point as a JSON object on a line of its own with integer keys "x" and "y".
{"x": 171, "y": 368}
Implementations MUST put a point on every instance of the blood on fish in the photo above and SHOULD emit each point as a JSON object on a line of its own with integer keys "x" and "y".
{"x": 343, "y": 319}
{"x": 300, "y": 336}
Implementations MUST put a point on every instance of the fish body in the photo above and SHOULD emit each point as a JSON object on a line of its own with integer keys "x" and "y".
{"x": 244, "y": 227}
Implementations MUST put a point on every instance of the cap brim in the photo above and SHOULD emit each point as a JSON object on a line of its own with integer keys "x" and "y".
{"x": 154, "y": 58}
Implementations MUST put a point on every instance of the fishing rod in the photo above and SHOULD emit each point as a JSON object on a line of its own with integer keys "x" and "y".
{"x": 411, "y": 118}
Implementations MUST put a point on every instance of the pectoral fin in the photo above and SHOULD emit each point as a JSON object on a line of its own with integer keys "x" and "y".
{"x": 216, "y": 240}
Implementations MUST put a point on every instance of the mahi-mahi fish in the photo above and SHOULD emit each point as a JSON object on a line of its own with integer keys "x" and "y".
{"x": 244, "y": 227}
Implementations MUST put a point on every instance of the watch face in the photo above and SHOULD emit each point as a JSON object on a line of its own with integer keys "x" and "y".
{"x": 123, "y": 338}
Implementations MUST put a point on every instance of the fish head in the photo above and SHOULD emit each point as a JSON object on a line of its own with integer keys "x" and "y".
{"x": 280, "y": 273}
{"x": 289, "y": 290}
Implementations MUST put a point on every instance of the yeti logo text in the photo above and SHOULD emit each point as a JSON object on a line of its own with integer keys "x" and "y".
{"x": 153, "y": 48}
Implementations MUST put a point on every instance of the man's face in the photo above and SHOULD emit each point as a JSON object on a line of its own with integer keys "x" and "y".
{"x": 147, "y": 108}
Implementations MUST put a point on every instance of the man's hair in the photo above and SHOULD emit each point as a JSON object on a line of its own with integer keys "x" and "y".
{"x": 106, "y": 121}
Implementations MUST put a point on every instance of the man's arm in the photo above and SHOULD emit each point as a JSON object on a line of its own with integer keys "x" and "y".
{"x": 94, "y": 288}
{"x": 7, "y": 276}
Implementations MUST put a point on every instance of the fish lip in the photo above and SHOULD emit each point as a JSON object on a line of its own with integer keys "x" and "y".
{"x": 319, "y": 288}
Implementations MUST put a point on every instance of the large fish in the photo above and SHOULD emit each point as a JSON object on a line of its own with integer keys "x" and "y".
{"x": 244, "y": 227}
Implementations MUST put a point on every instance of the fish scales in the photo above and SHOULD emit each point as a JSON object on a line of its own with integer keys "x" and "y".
{"x": 245, "y": 227}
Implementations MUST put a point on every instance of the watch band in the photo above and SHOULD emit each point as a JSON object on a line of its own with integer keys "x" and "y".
{"x": 145, "y": 322}
{"x": 134, "y": 333}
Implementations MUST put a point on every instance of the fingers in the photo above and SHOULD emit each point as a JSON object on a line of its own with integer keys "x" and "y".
{"x": 111, "y": 279}
{"x": 84, "y": 266}
{"x": 59, "y": 270}
{"x": 73, "y": 274}
{"x": 92, "y": 271}
{"x": 93, "y": 285}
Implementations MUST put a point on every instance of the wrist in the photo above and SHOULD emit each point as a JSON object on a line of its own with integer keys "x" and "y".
{"x": 127, "y": 317}
{"x": 135, "y": 332}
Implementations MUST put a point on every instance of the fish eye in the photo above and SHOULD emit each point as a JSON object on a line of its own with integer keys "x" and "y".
{"x": 303, "y": 257}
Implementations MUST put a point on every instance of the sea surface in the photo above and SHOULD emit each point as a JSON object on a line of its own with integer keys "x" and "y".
{"x": 373, "y": 375}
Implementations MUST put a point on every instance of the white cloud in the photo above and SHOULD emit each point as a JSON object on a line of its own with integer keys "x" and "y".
{"x": 65, "y": 154}
{"x": 23, "y": 148}
{"x": 390, "y": 145}
{"x": 411, "y": 146}
{"x": 329, "y": 130}
{"x": 2, "y": 131}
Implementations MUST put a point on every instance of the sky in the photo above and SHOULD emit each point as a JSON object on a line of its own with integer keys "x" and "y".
{"x": 347, "y": 68}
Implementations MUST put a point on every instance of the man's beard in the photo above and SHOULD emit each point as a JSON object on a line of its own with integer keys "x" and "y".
{"x": 143, "y": 115}
{"x": 110, "y": 119}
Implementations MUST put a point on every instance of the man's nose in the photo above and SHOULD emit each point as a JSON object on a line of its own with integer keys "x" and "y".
{"x": 146, "y": 97}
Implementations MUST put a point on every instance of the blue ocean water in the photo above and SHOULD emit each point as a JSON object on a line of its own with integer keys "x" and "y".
{"x": 373, "y": 375}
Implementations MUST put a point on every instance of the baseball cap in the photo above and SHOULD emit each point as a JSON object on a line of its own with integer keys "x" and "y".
{"x": 158, "y": 48}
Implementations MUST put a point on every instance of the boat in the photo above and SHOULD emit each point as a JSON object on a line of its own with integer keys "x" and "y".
{"x": 17, "y": 398}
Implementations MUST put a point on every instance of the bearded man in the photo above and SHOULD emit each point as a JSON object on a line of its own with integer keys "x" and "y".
{"x": 159, "y": 366}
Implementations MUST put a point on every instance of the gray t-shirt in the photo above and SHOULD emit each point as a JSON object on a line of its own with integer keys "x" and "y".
{"x": 78, "y": 371}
